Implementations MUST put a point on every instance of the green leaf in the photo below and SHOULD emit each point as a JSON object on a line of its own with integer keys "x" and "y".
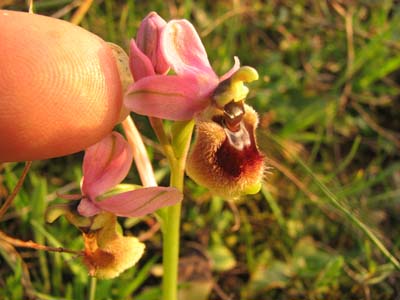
{"x": 308, "y": 260}
{"x": 222, "y": 258}
{"x": 197, "y": 290}
{"x": 330, "y": 274}
{"x": 274, "y": 275}
{"x": 388, "y": 66}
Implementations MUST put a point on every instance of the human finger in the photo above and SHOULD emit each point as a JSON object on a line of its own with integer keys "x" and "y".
{"x": 60, "y": 89}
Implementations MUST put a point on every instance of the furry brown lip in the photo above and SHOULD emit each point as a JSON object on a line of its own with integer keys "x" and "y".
{"x": 239, "y": 152}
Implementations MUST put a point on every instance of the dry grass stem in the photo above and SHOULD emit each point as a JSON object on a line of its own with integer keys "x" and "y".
{"x": 14, "y": 193}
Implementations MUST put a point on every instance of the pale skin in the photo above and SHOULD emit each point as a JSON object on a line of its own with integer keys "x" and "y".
{"x": 60, "y": 90}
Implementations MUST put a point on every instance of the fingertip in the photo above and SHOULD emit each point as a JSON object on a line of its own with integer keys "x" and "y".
{"x": 60, "y": 89}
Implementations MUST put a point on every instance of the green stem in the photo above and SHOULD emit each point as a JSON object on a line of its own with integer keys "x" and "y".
{"x": 164, "y": 140}
{"x": 171, "y": 224}
{"x": 92, "y": 288}
{"x": 171, "y": 241}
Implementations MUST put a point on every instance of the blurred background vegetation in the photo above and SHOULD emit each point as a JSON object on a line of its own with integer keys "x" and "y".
{"x": 328, "y": 98}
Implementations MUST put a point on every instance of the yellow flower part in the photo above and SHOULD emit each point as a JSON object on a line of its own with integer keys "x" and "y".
{"x": 107, "y": 252}
{"x": 233, "y": 88}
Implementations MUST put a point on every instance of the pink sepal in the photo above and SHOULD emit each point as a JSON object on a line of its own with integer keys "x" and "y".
{"x": 105, "y": 164}
{"x": 139, "y": 64}
{"x": 140, "y": 202}
{"x": 167, "y": 97}
{"x": 183, "y": 49}
{"x": 87, "y": 208}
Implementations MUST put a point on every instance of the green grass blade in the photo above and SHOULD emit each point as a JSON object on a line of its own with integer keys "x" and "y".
{"x": 37, "y": 213}
{"x": 354, "y": 220}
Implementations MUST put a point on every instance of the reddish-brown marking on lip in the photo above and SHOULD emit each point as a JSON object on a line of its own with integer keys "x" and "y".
{"x": 238, "y": 162}
{"x": 94, "y": 257}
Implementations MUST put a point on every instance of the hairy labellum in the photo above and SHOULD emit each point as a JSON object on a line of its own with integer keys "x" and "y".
{"x": 224, "y": 159}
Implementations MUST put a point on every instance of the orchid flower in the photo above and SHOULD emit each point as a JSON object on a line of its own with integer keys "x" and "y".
{"x": 105, "y": 165}
{"x": 189, "y": 91}
{"x": 224, "y": 157}
{"x": 107, "y": 252}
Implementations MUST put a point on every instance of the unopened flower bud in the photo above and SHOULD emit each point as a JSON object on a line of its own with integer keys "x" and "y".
{"x": 148, "y": 41}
